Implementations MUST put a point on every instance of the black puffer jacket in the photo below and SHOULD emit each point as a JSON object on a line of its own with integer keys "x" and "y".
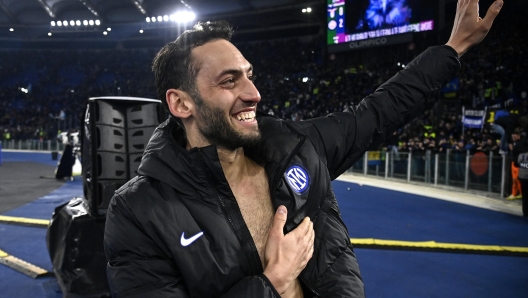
{"x": 185, "y": 191}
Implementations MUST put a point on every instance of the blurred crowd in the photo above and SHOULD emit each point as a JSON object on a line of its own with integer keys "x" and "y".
{"x": 44, "y": 91}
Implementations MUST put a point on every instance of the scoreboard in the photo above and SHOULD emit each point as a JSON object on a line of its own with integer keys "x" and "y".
{"x": 353, "y": 24}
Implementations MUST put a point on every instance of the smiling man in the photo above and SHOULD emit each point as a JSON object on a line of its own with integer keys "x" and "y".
{"x": 231, "y": 204}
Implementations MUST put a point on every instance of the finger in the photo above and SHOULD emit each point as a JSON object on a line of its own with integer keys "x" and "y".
{"x": 279, "y": 220}
{"x": 303, "y": 228}
{"x": 310, "y": 238}
{"x": 492, "y": 13}
{"x": 307, "y": 225}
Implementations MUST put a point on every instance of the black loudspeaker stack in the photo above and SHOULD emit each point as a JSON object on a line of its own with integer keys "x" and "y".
{"x": 115, "y": 133}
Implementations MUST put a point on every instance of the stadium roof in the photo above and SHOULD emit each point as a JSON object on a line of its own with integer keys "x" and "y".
{"x": 30, "y": 20}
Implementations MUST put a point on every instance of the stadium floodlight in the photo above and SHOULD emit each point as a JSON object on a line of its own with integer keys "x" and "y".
{"x": 184, "y": 16}
{"x": 305, "y": 79}
{"x": 109, "y": 29}
{"x": 59, "y": 23}
{"x": 65, "y": 23}
{"x": 153, "y": 19}
{"x": 85, "y": 23}
{"x": 49, "y": 34}
{"x": 141, "y": 31}
{"x": 72, "y": 23}
{"x": 105, "y": 33}
{"x": 148, "y": 20}
{"x": 160, "y": 18}
{"x": 78, "y": 23}
{"x": 308, "y": 9}
{"x": 91, "y": 22}
{"x": 97, "y": 22}
{"x": 11, "y": 29}
{"x": 53, "y": 23}
{"x": 166, "y": 18}
{"x": 304, "y": 10}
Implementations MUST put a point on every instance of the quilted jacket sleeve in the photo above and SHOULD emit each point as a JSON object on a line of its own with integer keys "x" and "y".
{"x": 342, "y": 138}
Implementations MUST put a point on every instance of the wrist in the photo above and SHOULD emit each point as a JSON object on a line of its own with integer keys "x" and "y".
{"x": 276, "y": 280}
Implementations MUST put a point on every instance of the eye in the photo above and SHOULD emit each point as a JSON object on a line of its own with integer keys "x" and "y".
{"x": 252, "y": 77}
{"x": 229, "y": 81}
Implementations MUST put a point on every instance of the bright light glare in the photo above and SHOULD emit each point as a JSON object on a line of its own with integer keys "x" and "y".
{"x": 85, "y": 23}
{"x": 141, "y": 31}
{"x": 305, "y": 79}
{"x": 59, "y": 23}
{"x": 97, "y": 22}
{"x": 78, "y": 23}
{"x": 49, "y": 34}
{"x": 184, "y": 16}
{"x": 53, "y": 23}
{"x": 65, "y": 23}
{"x": 91, "y": 22}
{"x": 309, "y": 9}
{"x": 105, "y": 33}
{"x": 72, "y": 23}
{"x": 108, "y": 29}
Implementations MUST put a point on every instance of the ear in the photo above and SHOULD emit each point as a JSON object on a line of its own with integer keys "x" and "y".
{"x": 179, "y": 102}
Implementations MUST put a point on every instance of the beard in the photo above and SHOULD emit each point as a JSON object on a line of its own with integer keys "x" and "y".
{"x": 217, "y": 129}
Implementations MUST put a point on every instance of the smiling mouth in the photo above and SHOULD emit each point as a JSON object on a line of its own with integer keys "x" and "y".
{"x": 246, "y": 116}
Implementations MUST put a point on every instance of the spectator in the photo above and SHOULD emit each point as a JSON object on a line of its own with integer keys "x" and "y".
{"x": 518, "y": 146}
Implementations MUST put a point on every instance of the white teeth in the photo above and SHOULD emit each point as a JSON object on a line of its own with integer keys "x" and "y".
{"x": 249, "y": 116}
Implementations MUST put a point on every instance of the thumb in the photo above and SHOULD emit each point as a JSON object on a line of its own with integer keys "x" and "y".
{"x": 279, "y": 220}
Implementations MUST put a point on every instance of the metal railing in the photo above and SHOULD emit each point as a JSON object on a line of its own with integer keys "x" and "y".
{"x": 479, "y": 171}
{"x": 37, "y": 145}
{"x": 483, "y": 172}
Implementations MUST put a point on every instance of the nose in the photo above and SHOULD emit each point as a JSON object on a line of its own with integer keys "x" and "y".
{"x": 249, "y": 92}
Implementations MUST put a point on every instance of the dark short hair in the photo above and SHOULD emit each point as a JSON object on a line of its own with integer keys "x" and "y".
{"x": 173, "y": 65}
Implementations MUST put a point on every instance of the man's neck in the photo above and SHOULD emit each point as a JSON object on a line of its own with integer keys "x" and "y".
{"x": 233, "y": 163}
{"x": 236, "y": 165}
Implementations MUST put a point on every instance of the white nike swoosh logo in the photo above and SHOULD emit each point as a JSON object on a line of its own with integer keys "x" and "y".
{"x": 186, "y": 242}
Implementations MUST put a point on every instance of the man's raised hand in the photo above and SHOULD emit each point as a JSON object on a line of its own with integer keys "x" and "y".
{"x": 469, "y": 28}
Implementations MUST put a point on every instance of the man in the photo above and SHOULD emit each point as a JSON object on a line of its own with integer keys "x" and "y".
{"x": 522, "y": 161}
{"x": 517, "y": 147}
{"x": 228, "y": 204}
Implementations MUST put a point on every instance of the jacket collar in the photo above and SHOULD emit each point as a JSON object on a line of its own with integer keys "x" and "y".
{"x": 166, "y": 158}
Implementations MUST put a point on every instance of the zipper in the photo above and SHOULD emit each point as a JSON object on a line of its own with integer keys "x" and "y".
{"x": 237, "y": 224}
{"x": 308, "y": 286}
